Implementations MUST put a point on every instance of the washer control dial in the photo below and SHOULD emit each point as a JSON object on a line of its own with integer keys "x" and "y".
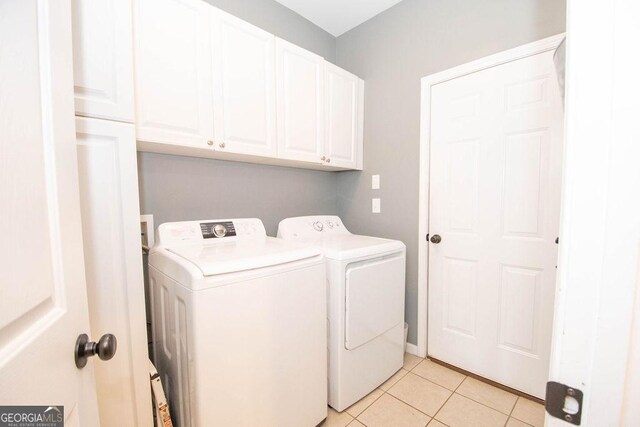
{"x": 220, "y": 230}
{"x": 318, "y": 226}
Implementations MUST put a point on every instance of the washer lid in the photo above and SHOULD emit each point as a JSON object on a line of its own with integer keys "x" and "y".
{"x": 355, "y": 246}
{"x": 231, "y": 255}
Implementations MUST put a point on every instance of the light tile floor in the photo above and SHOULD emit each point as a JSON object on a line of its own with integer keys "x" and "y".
{"x": 425, "y": 393}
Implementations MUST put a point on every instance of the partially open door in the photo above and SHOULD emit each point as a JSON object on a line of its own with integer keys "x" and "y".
{"x": 43, "y": 302}
{"x": 596, "y": 342}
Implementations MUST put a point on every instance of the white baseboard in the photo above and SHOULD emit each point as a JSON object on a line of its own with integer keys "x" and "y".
{"x": 412, "y": 349}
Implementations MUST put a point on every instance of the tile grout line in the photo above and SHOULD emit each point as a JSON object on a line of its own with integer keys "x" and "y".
{"x": 459, "y": 394}
{"x": 445, "y": 402}
{"x": 383, "y": 393}
{"x": 511, "y": 412}
{"x": 471, "y": 399}
{"x": 442, "y": 406}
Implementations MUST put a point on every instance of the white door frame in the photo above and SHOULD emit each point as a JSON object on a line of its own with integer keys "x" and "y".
{"x": 540, "y": 46}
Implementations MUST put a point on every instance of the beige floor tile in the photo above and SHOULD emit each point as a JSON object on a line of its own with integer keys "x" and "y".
{"x": 336, "y": 419}
{"x": 420, "y": 393}
{"x": 394, "y": 379}
{"x": 436, "y": 423}
{"x": 439, "y": 374}
{"x": 411, "y": 361}
{"x": 486, "y": 394}
{"x": 516, "y": 423}
{"x": 356, "y": 423}
{"x": 529, "y": 411}
{"x": 357, "y": 408}
{"x": 388, "y": 411}
{"x": 462, "y": 412}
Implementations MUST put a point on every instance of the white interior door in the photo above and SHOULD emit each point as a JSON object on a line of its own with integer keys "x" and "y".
{"x": 496, "y": 148}
{"x": 113, "y": 260}
{"x": 596, "y": 331}
{"x": 43, "y": 307}
{"x": 300, "y": 85}
{"x": 244, "y": 86}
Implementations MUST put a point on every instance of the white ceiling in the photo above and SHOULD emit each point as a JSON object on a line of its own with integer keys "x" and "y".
{"x": 338, "y": 16}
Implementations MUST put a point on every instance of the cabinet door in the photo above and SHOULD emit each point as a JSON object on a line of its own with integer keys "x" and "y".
{"x": 300, "y": 86}
{"x": 108, "y": 181}
{"x": 103, "y": 59}
{"x": 344, "y": 118}
{"x": 173, "y": 72}
{"x": 244, "y": 86}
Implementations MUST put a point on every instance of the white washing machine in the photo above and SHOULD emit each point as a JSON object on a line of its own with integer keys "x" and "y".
{"x": 366, "y": 304}
{"x": 239, "y": 325}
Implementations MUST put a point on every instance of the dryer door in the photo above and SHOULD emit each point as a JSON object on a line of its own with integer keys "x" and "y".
{"x": 374, "y": 299}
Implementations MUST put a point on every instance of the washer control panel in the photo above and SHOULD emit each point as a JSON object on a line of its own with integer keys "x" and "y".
{"x": 209, "y": 230}
{"x": 216, "y": 230}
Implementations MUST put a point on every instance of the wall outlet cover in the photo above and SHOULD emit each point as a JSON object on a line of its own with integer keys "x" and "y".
{"x": 147, "y": 232}
{"x": 375, "y": 182}
{"x": 375, "y": 205}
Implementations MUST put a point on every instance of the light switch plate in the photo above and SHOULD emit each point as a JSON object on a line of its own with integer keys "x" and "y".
{"x": 375, "y": 182}
{"x": 375, "y": 205}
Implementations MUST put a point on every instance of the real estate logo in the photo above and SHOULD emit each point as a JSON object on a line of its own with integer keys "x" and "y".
{"x": 31, "y": 416}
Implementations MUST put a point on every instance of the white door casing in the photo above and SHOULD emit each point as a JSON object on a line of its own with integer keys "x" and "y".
{"x": 244, "y": 86}
{"x": 496, "y": 150}
{"x": 111, "y": 233}
{"x": 103, "y": 59}
{"x": 174, "y": 102}
{"x": 43, "y": 307}
{"x": 344, "y": 93}
{"x": 300, "y": 99}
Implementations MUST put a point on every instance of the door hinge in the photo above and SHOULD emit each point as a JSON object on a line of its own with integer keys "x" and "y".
{"x": 564, "y": 402}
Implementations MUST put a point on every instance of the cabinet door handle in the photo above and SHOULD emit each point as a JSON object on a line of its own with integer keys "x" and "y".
{"x": 323, "y": 158}
{"x": 221, "y": 144}
{"x": 328, "y": 160}
{"x": 209, "y": 142}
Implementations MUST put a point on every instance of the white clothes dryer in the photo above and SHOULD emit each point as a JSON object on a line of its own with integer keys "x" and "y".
{"x": 239, "y": 325}
{"x": 365, "y": 304}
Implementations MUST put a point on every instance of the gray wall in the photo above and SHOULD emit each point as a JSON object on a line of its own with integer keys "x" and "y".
{"x": 391, "y": 52}
{"x": 174, "y": 188}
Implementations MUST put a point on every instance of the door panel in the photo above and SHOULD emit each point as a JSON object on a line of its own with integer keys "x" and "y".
{"x": 173, "y": 72}
{"x": 496, "y": 148}
{"x": 113, "y": 260}
{"x": 244, "y": 86}
{"x": 103, "y": 59}
{"x": 43, "y": 303}
{"x": 300, "y": 84}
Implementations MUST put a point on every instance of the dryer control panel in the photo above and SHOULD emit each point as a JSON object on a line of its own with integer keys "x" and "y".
{"x": 209, "y": 230}
{"x": 311, "y": 226}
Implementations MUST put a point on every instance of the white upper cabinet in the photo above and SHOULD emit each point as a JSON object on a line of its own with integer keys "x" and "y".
{"x": 244, "y": 86}
{"x": 300, "y": 95}
{"x": 344, "y": 118}
{"x": 212, "y": 85}
{"x": 173, "y": 72}
{"x": 103, "y": 59}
